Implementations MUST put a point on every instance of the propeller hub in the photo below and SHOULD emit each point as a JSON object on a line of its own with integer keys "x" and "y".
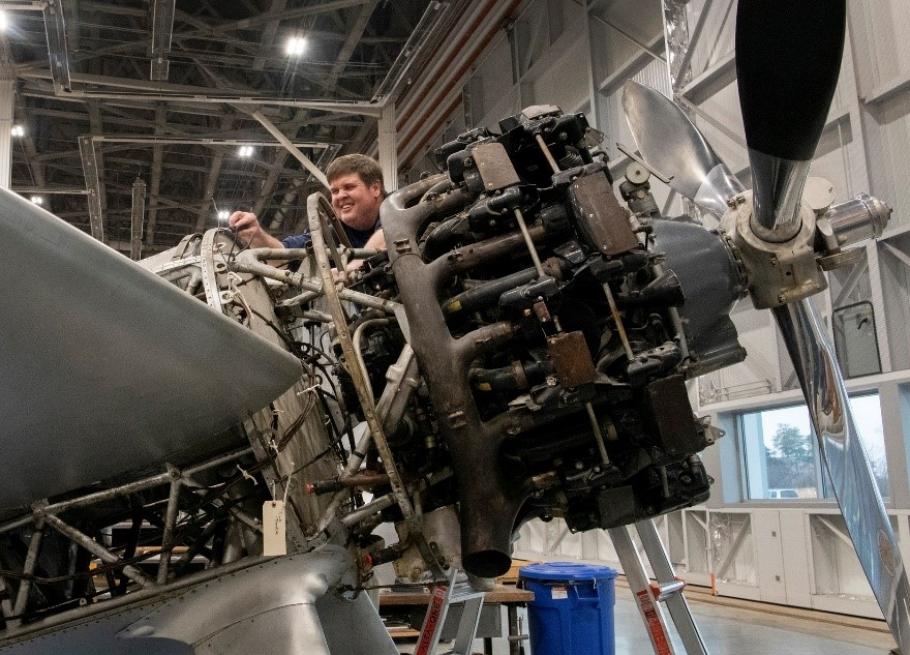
{"x": 779, "y": 271}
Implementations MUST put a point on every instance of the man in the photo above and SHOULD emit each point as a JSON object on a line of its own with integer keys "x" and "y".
{"x": 355, "y": 182}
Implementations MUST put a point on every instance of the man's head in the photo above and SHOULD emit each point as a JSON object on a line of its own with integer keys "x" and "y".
{"x": 355, "y": 182}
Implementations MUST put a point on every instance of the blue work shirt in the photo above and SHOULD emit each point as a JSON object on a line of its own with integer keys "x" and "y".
{"x": 358, "y": 238}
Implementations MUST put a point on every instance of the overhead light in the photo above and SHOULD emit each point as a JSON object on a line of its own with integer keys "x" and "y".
{"x": 295, "y": 46}
{"x": 245, "y": 151}
{"x": 4, "y": 21}
{"x": 223, "y": 215}
{"x": 17, "y": 131}
{"x": 38, "y": 200}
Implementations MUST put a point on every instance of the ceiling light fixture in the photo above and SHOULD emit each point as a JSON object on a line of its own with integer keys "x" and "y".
{"x": 295, "y": 46}
{"x": 17, "y": 131}
{"x": 38, "y": 200}
{"x": 245, "y": 151}
{"x": 223, "y": 215}
{"x": 4, "y": 21}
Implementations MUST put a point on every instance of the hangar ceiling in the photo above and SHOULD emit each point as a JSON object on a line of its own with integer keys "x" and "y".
{"x": 163, "y": 91}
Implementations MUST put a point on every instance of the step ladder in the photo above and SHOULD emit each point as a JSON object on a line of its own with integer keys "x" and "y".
{"x": 668, "y": 590}
{"x": 452, "y": 592}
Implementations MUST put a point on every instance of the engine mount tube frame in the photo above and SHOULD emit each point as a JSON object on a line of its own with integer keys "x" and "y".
{"x": 119, "y": 491}
{"x": 317, "y": 209}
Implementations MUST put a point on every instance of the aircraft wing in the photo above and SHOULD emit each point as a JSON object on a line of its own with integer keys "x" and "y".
{"x": 104, "y": 367}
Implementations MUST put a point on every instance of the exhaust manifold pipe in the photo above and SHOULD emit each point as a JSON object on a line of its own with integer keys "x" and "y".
{"x": 488, "y": 500}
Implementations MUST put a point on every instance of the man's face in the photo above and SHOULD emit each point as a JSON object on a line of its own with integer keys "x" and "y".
{"x": 355, "y": 204}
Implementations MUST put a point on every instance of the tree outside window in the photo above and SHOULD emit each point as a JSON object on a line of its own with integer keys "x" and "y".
{"x": 780, "y": 452}
{"x": 791, "y": 460}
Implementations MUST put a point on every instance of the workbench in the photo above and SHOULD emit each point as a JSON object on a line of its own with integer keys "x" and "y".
{"x": 410, "y": 607}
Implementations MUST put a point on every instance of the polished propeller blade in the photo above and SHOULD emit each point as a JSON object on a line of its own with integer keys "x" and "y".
{"x": 847, "y": 464}
{"x": 787, "y": 62}
{"x": 669, "y": 141}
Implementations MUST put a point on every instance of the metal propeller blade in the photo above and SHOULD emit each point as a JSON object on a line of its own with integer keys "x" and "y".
{"x": 787, "y": 77}
{"x": 669, "y": 141}
{"x": 787, "y": 63}
{"x": 847, "y": 464}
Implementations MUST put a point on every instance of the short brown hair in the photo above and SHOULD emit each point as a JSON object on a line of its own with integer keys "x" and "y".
{"x": 366, "y": 167}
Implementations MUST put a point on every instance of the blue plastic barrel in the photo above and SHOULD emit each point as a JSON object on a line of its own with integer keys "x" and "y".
{"x": 572, "y": 611}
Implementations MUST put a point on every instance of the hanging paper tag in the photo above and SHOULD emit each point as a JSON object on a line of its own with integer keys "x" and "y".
{"x": 273, "y": 529}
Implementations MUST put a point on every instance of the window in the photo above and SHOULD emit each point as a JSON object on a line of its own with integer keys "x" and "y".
{"x": 867, "y": 413}
{"x": 780, "y": 453}
{"x": 781, "y": 461}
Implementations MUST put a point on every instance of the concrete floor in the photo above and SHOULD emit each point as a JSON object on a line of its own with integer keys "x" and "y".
{"x": 735, "y": 631}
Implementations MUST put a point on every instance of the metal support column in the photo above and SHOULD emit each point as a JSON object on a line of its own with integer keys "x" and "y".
{"x": 388, "y": 147}
{"x": 170, "y": 520}
{"x": 137, "y": 219}
{"x": 672, "y": 595}
{"x": 7, "y": 105}
{"x": 679, "y": 59}
{"x": 92, "y": 185}
{"x": 305, "y": 161}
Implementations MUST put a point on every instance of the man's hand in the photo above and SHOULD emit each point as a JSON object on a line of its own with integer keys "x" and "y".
{"x": 376, "y": 241}
{"x": 248, "y": 229}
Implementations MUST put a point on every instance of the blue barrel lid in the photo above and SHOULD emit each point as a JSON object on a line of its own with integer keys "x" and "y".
{"x": 566, "y": 571}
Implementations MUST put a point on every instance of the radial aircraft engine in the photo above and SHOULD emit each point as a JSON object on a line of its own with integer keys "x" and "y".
{"x": 520, "y": 352}
{"x": 554, "y": 329}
